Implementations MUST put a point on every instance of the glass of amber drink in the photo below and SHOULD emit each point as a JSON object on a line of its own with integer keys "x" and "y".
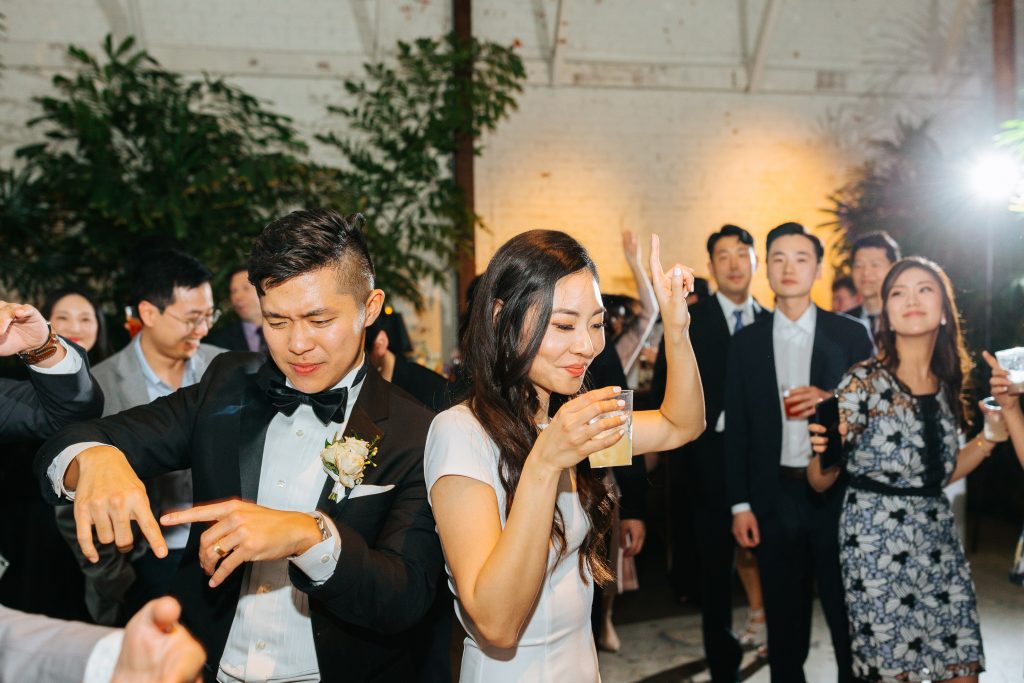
{"x": 621, "y": 453}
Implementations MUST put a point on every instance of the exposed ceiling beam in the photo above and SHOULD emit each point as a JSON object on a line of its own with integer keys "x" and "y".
{"x": 764, "y": 36}
{"x": 365, "y": 25}
{"x": 955, "y": 34}
{"x": 557, "y": 45}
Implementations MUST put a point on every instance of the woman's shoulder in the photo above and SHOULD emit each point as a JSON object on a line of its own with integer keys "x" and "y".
{"x": 459, "y": 444}
{"x": 458, "y": 419}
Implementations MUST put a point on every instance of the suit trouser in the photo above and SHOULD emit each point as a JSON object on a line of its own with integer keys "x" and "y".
{"x": 716, "y": 552}
{"x": 800, "y": 548}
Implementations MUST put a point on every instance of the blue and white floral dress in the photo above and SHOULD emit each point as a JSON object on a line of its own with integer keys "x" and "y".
{"x": 909, "y": 595}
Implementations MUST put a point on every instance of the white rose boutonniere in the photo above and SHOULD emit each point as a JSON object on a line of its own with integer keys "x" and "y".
{"x": 345, "y": 459}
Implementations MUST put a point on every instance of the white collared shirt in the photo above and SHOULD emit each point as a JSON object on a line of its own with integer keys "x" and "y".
{"x": 729, "y": 309}
{"x": 271, "y": 637}
{"x": 793, "y": 341}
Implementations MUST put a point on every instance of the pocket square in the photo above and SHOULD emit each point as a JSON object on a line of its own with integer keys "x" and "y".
{"x": 369, "y": 490}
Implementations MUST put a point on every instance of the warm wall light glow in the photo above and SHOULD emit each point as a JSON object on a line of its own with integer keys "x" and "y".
{"x": 995, "y": 176}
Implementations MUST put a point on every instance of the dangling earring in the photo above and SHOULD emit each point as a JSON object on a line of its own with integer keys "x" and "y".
{"x": 943, "y": 321}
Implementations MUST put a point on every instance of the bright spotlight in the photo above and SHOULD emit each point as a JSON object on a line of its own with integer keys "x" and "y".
{"x": 995, "y": 176}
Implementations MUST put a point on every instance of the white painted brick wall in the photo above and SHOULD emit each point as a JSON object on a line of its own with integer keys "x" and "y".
{"x": 646, "y": 124}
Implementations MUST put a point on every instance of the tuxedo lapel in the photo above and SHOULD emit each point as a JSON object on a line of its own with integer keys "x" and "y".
{"x": 770, "y": 378}
{"x": 257, "y": 412}
{"x": 824, "y": 349}
{"x": 720, "y": 331}
{"x": 370, "y": 410}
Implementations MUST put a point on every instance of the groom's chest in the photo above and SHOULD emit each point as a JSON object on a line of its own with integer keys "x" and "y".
{"x": 291, "y": 475}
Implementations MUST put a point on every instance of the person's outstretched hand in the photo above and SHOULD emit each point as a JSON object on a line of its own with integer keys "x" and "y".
{"x": 671, "y": 289}
{"x": 158, "y": 649}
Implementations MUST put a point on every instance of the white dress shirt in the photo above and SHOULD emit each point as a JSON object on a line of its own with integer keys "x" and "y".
{"x": 747, "y": 309}
{"x": 793, "y": 341}
{"x": 792, "y": 344}
{"x": 271, "y": 637}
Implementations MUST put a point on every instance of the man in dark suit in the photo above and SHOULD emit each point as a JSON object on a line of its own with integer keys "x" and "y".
{"x": 425, "y": 385}
{"x": 242, "y": 331}
{"x": 700, "y": 469}
{"x": 296, "y": 576}
{"x": 871, "y": 258}
{"x": 795, "y": 530}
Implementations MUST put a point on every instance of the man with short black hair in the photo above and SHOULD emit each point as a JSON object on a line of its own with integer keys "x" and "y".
{"x": 698, "y": 473}
{"x": 170, "y": 291}
{"x": 779, "y": 369}
{"x": 871, "y": 257}
{"x": 844, "y": 295}
{"x": 313, "y": 562}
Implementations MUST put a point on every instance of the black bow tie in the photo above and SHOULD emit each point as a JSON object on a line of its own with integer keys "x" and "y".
{"x": 328, "y": 406}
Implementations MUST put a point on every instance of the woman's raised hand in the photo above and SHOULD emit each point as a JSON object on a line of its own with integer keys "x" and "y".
{"x": 575, "y": 432}
{"x": 671, "y": 289}
{"x": 999, "y": 384}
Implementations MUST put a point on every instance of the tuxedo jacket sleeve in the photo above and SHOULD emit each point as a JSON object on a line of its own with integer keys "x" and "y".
{"x": 737, "y": 427}
{"x": 37, "y": 648}
{"x": 40, "y": 406}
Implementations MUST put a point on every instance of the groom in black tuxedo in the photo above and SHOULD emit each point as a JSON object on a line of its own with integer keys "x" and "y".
{"x": 794, "y": 529}
{"x": 278, "y": 580}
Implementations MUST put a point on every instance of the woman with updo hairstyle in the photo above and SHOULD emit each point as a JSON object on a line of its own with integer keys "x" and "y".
{"x": 521, "y": 516}
{"x": 909, "y": 594}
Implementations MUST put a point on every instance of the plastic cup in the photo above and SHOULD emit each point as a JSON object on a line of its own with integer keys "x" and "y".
{"x": 995, "y": 425}
{"x": 621, "y": 453}
{"x": 1013, "y": 360}
{"x": 789, "y": 405}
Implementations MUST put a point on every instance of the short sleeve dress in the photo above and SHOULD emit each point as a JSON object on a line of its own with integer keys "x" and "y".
{"x": 557, "y": 644}
{"x": 909, "y": 595}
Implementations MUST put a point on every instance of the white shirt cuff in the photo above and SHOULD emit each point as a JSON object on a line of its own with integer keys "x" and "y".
{"x": 740, "y": 507}
{"x": 68, "y": 365}
{"x": 320, "y": 561}
{"x": 103, "y": 658}
{"x": 59, "y": 467}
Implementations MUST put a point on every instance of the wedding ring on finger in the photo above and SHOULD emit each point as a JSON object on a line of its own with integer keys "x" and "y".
{"x": 220, "y": 551}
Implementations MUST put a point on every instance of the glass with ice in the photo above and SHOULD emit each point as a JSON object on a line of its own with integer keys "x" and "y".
{"x": 1013, "y": 361}
{"x": 995, "y": 425}
{"x": 621, "y": 453}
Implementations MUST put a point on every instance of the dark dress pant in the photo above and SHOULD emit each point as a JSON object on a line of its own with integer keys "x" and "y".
{"x": 800, "y": 550}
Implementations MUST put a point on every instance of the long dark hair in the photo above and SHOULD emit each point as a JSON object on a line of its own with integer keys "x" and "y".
{"x": 507, "y": 322}
{"x": 101, "y": 349}
{"x": 950, "y": 363}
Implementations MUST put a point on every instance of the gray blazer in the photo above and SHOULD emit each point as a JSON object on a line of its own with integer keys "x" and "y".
{"x": 107, "y": 582}
{"x": 37, "y": 648}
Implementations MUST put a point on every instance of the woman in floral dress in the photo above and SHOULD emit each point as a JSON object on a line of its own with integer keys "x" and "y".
{"x": 909, "y": 595}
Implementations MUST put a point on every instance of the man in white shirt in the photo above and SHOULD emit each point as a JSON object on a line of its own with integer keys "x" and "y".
{"x": 779, "y": 368}
{"x": 287, "y": 576}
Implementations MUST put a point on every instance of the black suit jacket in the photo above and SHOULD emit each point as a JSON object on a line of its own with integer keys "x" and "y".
{"x": 229, "y": 336}
{"x": 390, "y": 558}
{"x": 753, "y": 435}
{"x": 425, "y": 385}
{"x": 38, "y": 407}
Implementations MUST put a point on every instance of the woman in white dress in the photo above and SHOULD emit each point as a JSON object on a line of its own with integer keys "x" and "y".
{"x": 521, "y": 516}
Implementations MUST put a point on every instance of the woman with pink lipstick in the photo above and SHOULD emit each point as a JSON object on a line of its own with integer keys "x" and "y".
{"x": 520, "y": 514}
{"x": 909, "y": 595}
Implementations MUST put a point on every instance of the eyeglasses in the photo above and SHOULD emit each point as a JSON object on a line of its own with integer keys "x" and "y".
{"x": 195, "y": 321}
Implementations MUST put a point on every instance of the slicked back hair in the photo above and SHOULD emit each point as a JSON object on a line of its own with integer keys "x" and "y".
{"x": 308, "y": 241}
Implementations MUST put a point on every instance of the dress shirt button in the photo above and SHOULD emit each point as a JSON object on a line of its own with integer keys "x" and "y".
{"x": 300, "y": 433}
{"x": 264, "y": 588}
{"x": 280, "y": 483}
{"x": 324, "y": 559}
{"x": 260, "y": 645}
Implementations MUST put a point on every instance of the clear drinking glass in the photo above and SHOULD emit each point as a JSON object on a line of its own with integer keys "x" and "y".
{"x": 1013, "y": 360}
{"x": 621, "y": 453}
{"x": 995, "y": 425}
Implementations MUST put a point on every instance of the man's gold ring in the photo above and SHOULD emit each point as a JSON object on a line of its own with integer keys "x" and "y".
{"x": 220, "y": 551}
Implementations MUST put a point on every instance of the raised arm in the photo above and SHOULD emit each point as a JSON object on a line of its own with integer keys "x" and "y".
{"x": 499, "y": 571}
{"x": 680, "y": 418}
{"x": 631, "y": 342}
{"x": 1010, "y": 403}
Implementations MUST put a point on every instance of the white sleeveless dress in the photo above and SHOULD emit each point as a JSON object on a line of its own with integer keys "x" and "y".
{"x": 557, "y": 644}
